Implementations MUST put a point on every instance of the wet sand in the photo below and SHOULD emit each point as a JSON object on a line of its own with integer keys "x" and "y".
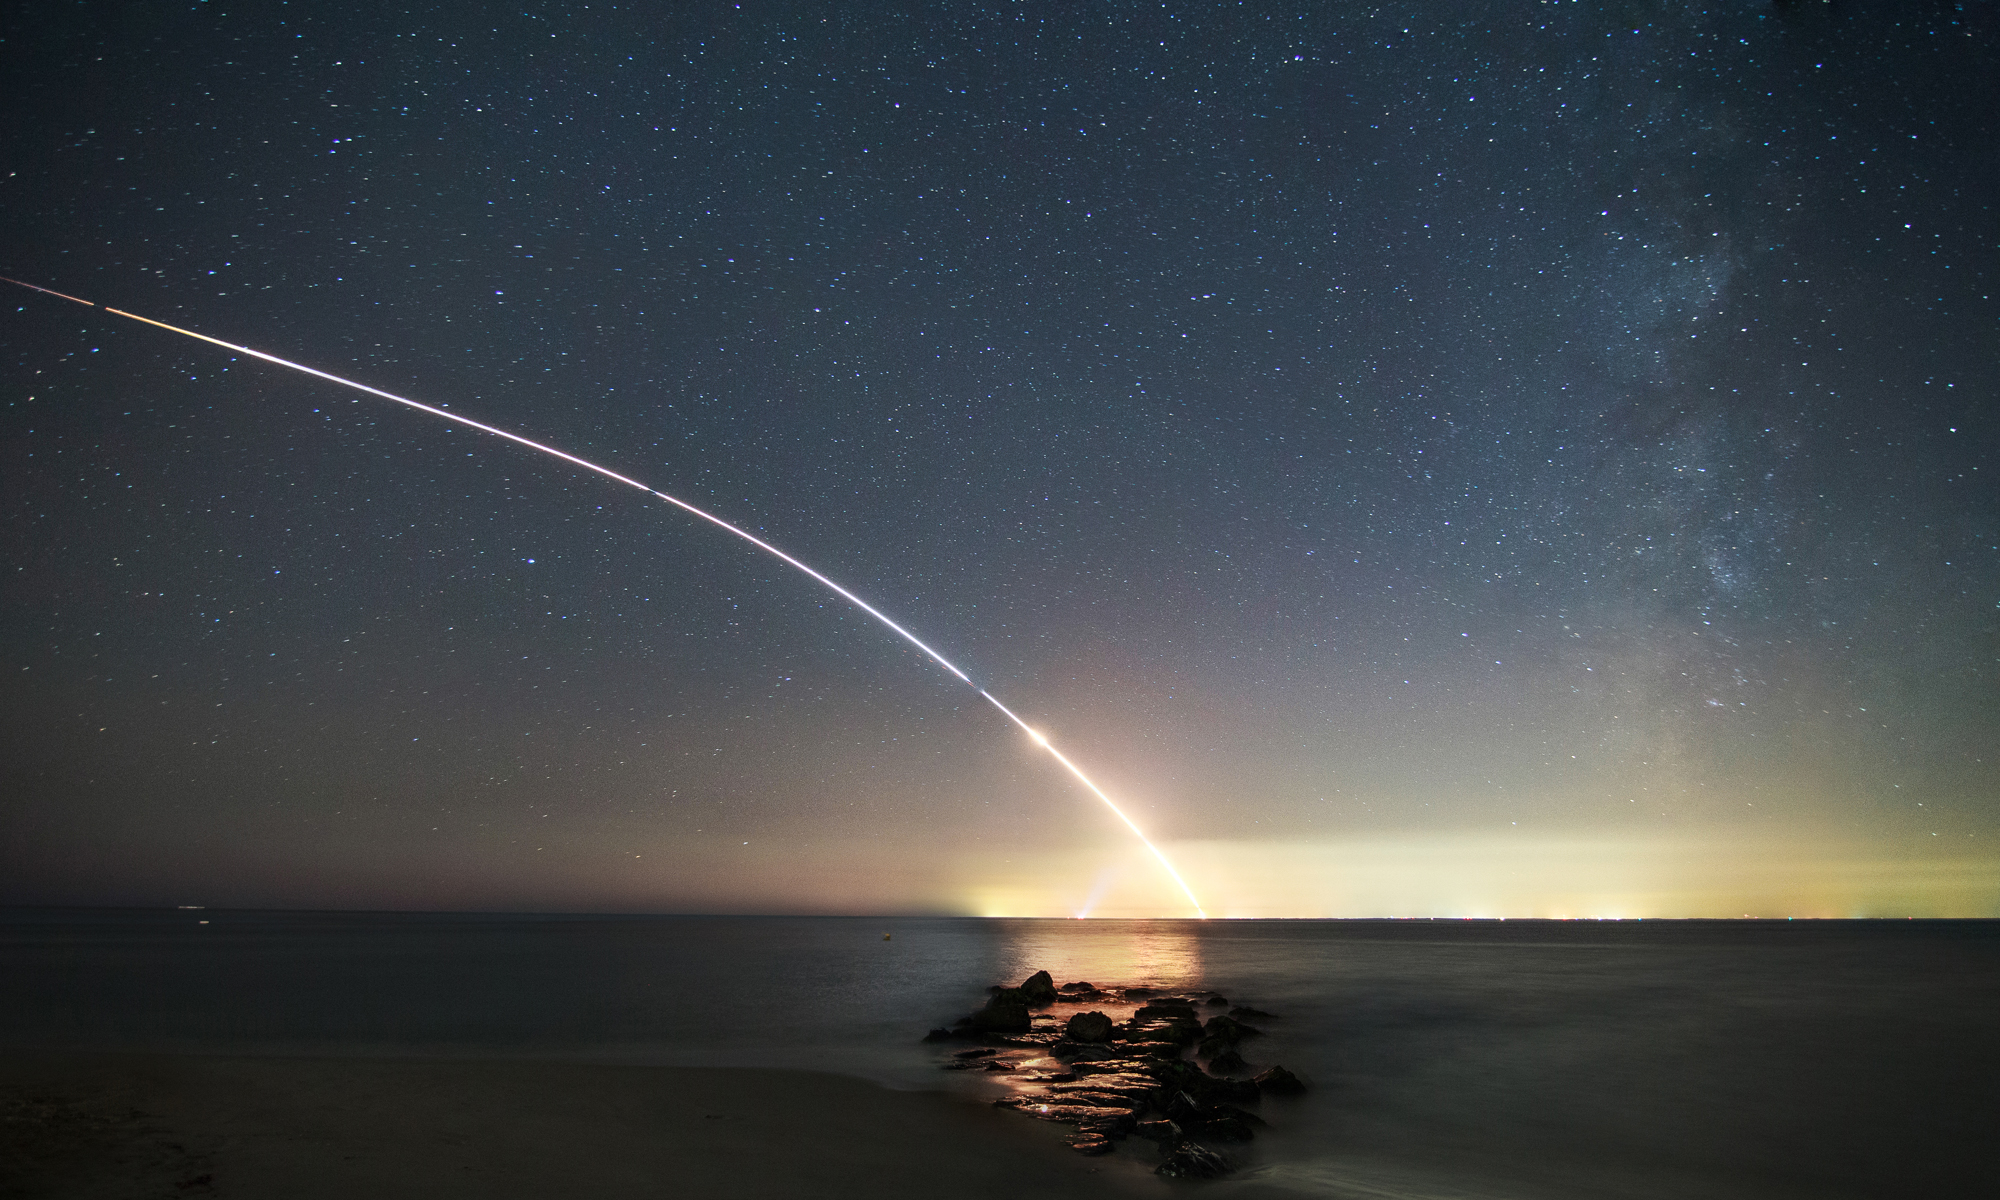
{"x": 115, "y": 1126}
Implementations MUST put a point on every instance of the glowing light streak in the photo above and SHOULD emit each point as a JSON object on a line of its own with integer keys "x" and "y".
{"x": 705, "y": 515}
{"x": 1077, "y": 771}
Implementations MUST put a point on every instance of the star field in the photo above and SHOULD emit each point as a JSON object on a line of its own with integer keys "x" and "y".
{"x": 1555, "y": 438}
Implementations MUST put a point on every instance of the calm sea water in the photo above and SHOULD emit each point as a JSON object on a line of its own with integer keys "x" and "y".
{"x": 1510, "y": 1061}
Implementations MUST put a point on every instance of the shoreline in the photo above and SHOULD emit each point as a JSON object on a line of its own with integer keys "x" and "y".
{"x": 79, "y": 1123}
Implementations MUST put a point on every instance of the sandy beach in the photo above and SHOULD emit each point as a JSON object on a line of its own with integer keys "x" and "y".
{"x": 115, "y": 1126}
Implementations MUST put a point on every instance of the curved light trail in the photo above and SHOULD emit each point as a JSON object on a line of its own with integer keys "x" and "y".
{"x": 711, "y": 518}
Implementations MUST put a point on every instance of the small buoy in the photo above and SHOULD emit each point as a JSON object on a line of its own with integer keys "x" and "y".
{"x": 885, "y": 937}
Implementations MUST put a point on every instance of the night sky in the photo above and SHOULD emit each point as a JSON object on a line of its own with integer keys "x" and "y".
{"x": 1537, "y": 463}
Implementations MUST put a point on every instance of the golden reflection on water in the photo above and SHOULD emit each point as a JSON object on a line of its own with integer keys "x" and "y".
{"x": 1162, "y": 954}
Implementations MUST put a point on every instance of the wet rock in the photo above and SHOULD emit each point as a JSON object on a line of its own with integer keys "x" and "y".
{"x": 1136, "y": 992}
{"x": 997, "y": 1065}
{"x": 1115, "y": 1100}
{"x": 1111, "y": 1066}
{"x": 1120, "y": 1079}
{"x": 1245, "y": 1013}
{"x": 1091, "y": 1144}
{"x": 1160, "y": 1010}
{"x": 1276, "y": 1081}
{"x": 1158, "y": 1131}
{"x": 1217, "y": 1002}
{"x": 1190, "y": 1161}
{"x": 1154, "y": 1029}
{"x": 984, "y": 1053}
{"x": 1229, "y": 1062}
{"x": 1077, "y": 987}
{"x": 1073, "y": 1052}
{"x": 1040, "y": 988}
{"x": 1099, "y": 1118}
{"x": 1088, "y": 1027}
{"x": 1051, "y": 1077}
{"x": 1114, "y": 1127}
{"x": 1122, "y": 1089}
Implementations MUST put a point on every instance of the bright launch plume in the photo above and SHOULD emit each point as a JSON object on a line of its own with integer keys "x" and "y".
{"x": 1038, "y": 737}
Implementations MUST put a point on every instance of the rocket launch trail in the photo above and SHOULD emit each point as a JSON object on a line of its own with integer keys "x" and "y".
{"x": 1034, "y": 734}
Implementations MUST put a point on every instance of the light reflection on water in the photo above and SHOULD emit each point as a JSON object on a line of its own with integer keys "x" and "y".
{"x": 1163, "y": 954}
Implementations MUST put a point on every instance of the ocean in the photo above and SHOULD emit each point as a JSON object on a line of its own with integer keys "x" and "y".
{"x": 1470, "y": 1060}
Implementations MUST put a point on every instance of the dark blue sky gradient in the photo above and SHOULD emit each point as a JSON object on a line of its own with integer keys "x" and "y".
{"x": 1328, "y": 422}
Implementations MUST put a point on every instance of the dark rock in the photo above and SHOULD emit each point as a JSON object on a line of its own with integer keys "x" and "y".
{"x": 997, "y": 1065}
{"x": 1000, "y": 1018}
{"x": 1230, "y": 1110}
{"x": 1220, "y": 1122}
{"x": 1244, "y": 1012}
{"x": 1189, "y": 1161}
{"x": 1088, "y": 1027}
{"x": 974, "y": 1053}
{"x": 940, "y": 1035}
{"x": 1227, "y": 1129}
{"x": 1182, "y": 1109}
{"x": 1091, "y": 1144}
{"x": 1137, "y": 992}
{"x": 1183, "y": 1076}
{"x": 1005, "y": 1012}
{"x": 1039, "y": 988}
{"x": 1162, "y": 1010}
{"x": 1073, "y": 1052}
{"x": 1229, "y": 1062}
{"x": 1230, "y": 1029}
{"x": 1077, "y": 987}
{"x": 1276, "y": 1081}
{"x": 1010, "y": 1102}
{"x": 1217, "y": 1002}
{"x": 1158, "y": 1131}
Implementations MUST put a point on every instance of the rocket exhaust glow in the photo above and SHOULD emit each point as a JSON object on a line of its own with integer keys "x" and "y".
{"x": 711, "y": 518}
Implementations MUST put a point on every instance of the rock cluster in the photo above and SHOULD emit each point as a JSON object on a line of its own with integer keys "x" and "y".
{"x": 1114, "y": 1079}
